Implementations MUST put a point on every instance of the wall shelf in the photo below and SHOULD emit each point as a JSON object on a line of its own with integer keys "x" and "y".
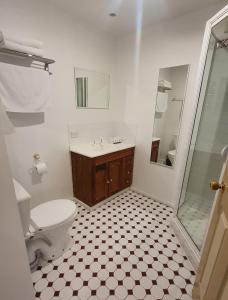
{"x": 32, "y": 58}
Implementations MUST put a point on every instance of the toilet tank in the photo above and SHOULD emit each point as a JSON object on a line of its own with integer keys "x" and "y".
{"x": 23, "y": 202}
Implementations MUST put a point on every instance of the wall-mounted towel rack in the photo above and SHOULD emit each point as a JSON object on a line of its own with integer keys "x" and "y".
{"x": 32, "y": 58}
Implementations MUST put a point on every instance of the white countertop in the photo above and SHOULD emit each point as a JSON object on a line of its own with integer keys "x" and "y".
{"x": 91, "y": 150}
{"x": 154, "y": 139}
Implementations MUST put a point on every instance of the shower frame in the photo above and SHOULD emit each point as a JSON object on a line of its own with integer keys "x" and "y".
{"x": 187, "y": 243}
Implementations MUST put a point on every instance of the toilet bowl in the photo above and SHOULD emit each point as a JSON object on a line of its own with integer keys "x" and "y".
{"x": 171, "y": 156}
{"x": 45, "y": 226}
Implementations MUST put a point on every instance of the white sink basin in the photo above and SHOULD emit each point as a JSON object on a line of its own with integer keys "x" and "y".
{"x": 91, "y": 150}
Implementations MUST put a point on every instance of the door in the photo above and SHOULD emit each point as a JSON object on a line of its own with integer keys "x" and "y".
{"x": 101, "y": 183}
{"x": 212, "y": 276}
{"x": 114, "y": 176}
{"x": 209, "y": 136}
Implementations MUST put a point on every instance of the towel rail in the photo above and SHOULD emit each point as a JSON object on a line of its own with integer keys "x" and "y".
{"x": 31, "y": 57}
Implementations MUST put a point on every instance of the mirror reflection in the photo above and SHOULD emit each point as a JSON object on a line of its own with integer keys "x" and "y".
{"x": 91, "y": 89}
{"x": 168, "y": 112}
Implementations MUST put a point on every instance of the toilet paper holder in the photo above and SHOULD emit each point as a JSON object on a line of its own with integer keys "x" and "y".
{"x": 36, "y": 156}
{"x": 39, "y": 166}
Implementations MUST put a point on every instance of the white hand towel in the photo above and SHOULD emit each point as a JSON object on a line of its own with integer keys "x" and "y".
{"x": 21, "y": 41}
{"x": 24, "y": 89}
{"x": 161, "y": 102}
{"x": 165, "y": 84}
{"x": 6, "y": 126}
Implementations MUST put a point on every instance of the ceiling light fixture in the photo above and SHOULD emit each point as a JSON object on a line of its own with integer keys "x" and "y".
{"x": 112, "y": 14}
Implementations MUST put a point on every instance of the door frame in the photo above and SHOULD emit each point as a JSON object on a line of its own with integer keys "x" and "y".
{"x": 187, "y": 243}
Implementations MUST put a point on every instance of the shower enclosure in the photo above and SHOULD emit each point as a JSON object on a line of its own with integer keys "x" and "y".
{"x": 209, "y": 137}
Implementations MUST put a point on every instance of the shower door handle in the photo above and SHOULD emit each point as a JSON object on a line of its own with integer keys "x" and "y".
{"x": 215, "y": 185}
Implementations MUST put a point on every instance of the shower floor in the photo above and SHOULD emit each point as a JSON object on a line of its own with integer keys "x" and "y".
{"x": 194, "y": 215}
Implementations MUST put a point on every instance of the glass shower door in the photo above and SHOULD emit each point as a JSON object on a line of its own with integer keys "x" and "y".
{"x": 210, "y": 135}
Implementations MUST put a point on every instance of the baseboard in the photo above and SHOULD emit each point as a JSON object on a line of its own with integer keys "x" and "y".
{"x": 187, "y": 244}
{"x": 91, "y": 208}
{"x": 135, "y": 189}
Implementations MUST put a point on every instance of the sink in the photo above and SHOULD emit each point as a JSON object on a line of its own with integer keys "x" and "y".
{"x": 94, "y": 150}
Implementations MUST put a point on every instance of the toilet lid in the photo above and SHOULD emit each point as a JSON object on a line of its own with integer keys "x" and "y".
{"x": 172, "y": 152}
{"x": 53, "y": 212}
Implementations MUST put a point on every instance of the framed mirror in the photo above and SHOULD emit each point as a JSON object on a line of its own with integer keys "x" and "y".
{"x": 92, "y": 89}
{"x": 170, "y": 99}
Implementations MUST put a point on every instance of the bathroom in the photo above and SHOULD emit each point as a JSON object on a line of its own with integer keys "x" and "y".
{"x": 131, "y": 49}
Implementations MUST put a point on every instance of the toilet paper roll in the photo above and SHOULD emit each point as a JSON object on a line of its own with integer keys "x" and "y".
{"x": 41, "y": 168}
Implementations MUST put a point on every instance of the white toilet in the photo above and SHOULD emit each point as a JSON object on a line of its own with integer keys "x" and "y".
{"x": 45, "y": 226}
{"x": 172, "y": 155}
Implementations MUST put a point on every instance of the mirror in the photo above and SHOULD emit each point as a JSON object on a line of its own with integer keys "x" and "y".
{"x": 91, "y": 89}
{"x": 168, "y": 112}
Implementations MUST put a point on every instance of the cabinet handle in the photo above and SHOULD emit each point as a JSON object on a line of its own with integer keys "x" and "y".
{"x": 107, "y": 181}
{"x": 128, "y": 172}
{"x": 111, "y": 180}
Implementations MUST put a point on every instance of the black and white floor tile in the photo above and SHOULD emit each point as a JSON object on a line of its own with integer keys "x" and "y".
{"x": 124, "y": 249}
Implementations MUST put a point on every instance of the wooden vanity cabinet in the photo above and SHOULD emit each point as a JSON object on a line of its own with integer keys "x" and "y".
{"x": 127, "y": 171}
{"x": 154, "y": 151}
{"x": 95, "y": 179}
{"x": 114, "y": 176}
{"x": 100, "y": 185}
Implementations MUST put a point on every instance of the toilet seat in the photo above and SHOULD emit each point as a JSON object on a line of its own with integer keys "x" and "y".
{"x": 53, "y": 213}
{"x": 172, "y": 153}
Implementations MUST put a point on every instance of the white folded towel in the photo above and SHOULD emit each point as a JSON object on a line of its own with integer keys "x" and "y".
{"x": 6, "y": 126}
{"x": 27, "y": 46}
{"x": 161, "y": 102}
{"x": 25, "y": 42}
{"x": 24, "y": 89}
{"x": 17, "y": 47}
{"x": 165, "y": 84}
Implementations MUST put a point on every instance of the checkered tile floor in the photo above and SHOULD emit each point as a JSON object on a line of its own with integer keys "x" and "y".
{"x": 124, "y": 249}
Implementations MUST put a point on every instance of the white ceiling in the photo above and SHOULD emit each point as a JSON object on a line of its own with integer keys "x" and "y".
{"x": 95, "y": 12}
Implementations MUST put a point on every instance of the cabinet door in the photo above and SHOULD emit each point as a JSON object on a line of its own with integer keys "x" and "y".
{"x": 154, "y": 151}
{"x": 114, "y": 176}
{"x": 127, "y": 171}
{"x": 100, "y": 184}
{"x": 82, "y": 168}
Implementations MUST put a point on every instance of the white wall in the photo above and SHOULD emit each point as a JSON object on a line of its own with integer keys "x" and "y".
{"x": 71, "y": 44}
{"x": 74, "y": 44}
{"x": 174, "y": 43}
{"x": 15, "y": 278}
